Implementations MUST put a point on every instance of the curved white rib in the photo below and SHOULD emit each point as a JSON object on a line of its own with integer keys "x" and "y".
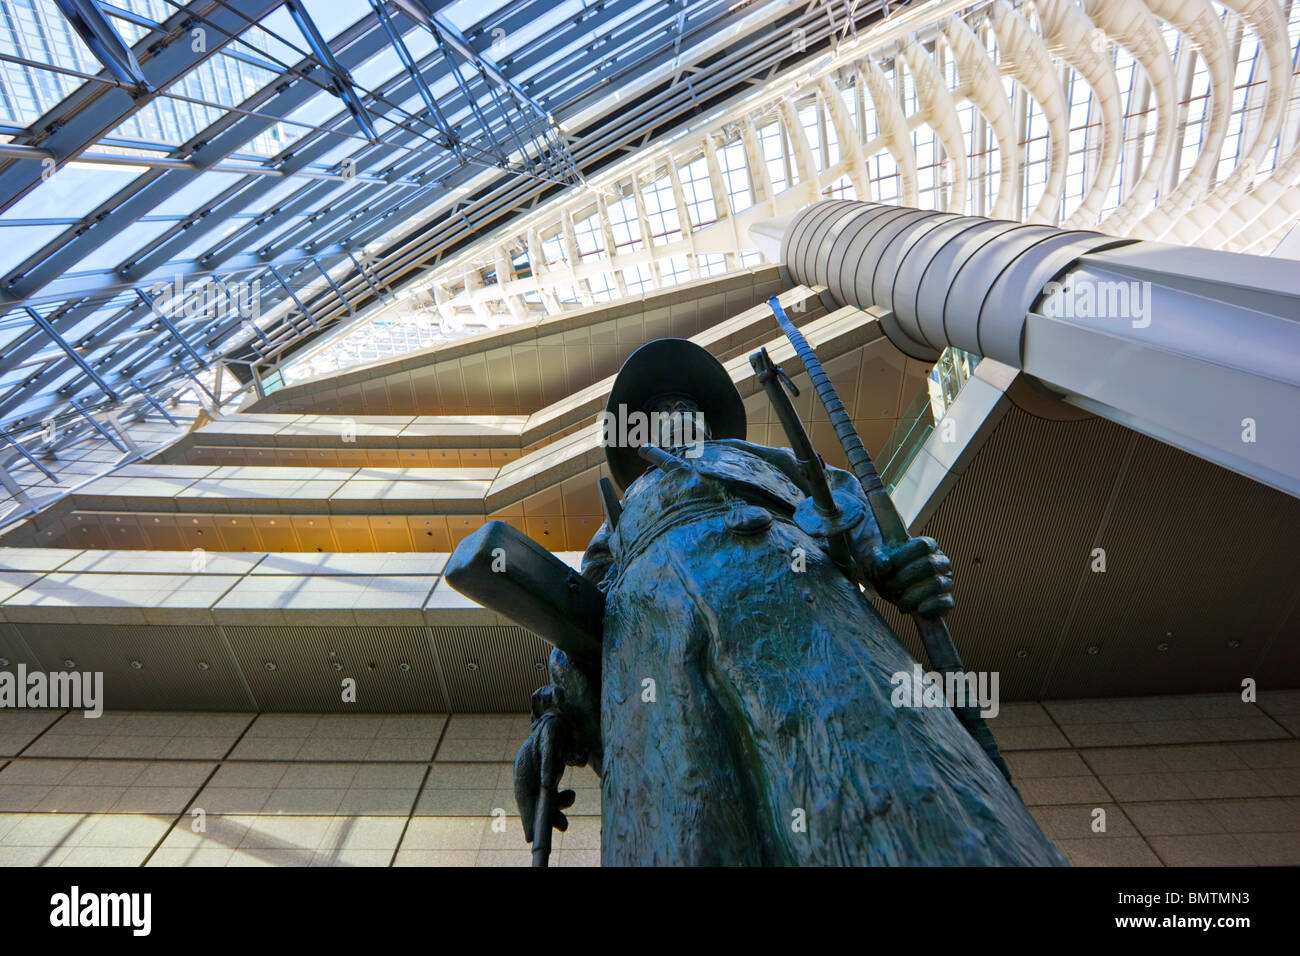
{"x": 1264, "y": 19}
{"x": 893, "y": 126}
{"x": 937, "y": 106}
{"x": 1023, "y": 55}
{"x": 1134, "y": 27}
{"x": 1071, "y": 36}
{"x": 1197, "y": 21}
{"x": 981, "y": 85}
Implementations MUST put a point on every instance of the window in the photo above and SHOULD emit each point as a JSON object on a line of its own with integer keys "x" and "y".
{"x": 699, "y": 193}
{"x": 884, "y": 177}
{"x": 772, "y": 141}
{"x": 810, "y": 120}
{"x": 624, "y": 225}
{"x": 674, "y": 270}
{"x": 735, "y": 176}
{"x": 591, "y": 240}
{"x": 661, "y": 210}
{"x": 639, "y": 280}
{"x": 712, "y": 263}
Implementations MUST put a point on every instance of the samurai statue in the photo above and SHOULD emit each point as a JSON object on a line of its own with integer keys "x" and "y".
{"x": 733, "y": 686}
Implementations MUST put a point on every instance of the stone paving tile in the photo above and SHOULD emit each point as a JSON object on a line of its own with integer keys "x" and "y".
{"x": 1182, "y": 781}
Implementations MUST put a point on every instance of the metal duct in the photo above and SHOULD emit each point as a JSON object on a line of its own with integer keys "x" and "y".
{"x": 1195, "y": 347}
{"x": 946, "y": 279}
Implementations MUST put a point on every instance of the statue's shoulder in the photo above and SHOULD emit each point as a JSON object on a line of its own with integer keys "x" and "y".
{"x": 774, "y": 470}
{"x": 784, "y": 461}
{"x": 782, "y": 458}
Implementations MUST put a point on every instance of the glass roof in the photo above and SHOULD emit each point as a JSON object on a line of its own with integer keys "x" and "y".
{"x": 276, "y": 145}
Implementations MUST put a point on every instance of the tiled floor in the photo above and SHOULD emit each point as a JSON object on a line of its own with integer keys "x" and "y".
{"x": 1201, "y": 780}
{"x": 1204, "y": 780}
{"x": 168, "y": 789}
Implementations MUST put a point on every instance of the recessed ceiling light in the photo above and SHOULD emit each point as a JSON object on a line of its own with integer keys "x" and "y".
{"x": 1094, "y": 649}
{"x": 270, "y": 665}
{"x": 204, "y": 665}
{"x": 471, "y": 665}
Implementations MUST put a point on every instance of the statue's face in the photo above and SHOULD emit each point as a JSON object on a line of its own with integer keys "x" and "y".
{"x": 677, "y": 422}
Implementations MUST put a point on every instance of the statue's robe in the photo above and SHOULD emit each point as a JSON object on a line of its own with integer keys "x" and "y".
{"x": 746, "y": 713}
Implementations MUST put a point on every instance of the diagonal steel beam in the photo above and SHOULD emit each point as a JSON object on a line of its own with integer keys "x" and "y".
{"x": 88, "y": 19}
{"x": 31, "y": 459}
{"x": 334, "y": 285}
{"x": 343, "y": 86}
{"x": 93, "y": 109}
{"x": 171, "y": 327}
{"x": 284, "y": 283}
{"x": 72, "y": 353}
{"x": 147, "y": 395}
{"x": 451, "y": 140}
{"x": 96, "y": 424}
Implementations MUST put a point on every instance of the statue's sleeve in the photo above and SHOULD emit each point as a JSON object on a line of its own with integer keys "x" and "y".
{"x": 598, "y": 559}
{"x": 580, "y": 685}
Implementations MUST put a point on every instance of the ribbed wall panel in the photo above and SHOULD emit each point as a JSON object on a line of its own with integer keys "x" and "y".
{"x": 504, "y": 672}
{"x": 1279, "y": 665}
{"x": 1019, "y": 527}
{"x": 305, "y": 680}
{"x": 14, "y": 650}
{"x": 1196, "y": 557}
{"x": 170, "y": 676}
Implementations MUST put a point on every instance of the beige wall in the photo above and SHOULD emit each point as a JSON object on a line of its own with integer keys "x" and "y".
{"x": 1183, "y": 780}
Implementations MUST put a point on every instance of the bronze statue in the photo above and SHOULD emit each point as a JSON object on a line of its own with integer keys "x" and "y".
{"x": 719, "y": 666}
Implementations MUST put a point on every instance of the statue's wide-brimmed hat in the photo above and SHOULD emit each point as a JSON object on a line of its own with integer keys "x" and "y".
{"x": 667, "y": 368}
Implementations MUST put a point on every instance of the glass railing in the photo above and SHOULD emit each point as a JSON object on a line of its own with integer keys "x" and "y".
{"x": 948, "y": 377}
{"x": 945, "y": 381}
{"x": 901, "y": 446}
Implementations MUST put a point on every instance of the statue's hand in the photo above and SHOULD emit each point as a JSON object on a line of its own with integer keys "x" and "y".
{"x": 914, "y": 576}
{"x": 540, "y": 762}
{"x": 576, "y": 687}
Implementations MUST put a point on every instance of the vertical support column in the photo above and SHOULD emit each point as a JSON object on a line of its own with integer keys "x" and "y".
{"x": 684, "y": 216}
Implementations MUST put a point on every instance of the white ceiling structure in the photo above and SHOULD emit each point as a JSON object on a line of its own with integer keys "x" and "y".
{"x": 1173, "y": 120}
